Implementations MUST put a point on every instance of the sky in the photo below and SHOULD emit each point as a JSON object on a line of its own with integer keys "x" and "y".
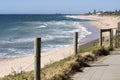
{"x": 56, "y": 6}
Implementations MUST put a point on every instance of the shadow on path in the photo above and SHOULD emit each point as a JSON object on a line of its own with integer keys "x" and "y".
{"x": 99, "y": 65}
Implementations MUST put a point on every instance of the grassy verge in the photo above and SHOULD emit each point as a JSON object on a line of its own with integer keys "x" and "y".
{"x": 62, "y": 70}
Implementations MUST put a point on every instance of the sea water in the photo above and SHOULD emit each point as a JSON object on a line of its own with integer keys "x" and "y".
{"x": 17, "y": 32}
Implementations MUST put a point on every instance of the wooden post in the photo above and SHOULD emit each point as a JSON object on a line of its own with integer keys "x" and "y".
{"x": 75, "y": 42}
{"x": 116, "y": 39}
{"x": 118, "y": 25}
{"x": 111, "y": 40}
{"x": 100, "y": 38}
{"x": 37, "y": 51}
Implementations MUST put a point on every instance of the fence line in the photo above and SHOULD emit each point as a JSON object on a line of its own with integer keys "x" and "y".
{"x": 37, "y": 47}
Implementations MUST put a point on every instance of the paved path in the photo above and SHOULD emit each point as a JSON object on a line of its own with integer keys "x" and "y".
{"x": 108, "y": 68}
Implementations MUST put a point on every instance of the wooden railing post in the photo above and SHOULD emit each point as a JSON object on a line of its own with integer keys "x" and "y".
{"x": 116, "y": 39}
{"x": 118, "y": 25}
{"x": 100, "y": 38}
{"x": 37, "y": 51}
{"x": 75, "y": 42}
{"x": 111, "y": 38}
{"x": 118, "y": 34}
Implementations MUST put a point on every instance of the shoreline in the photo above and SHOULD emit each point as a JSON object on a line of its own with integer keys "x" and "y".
{"x": 26, "y": 63}
{"x": 102, "y": 22}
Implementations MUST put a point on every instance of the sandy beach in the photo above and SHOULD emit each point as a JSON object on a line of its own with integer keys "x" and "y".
{"x": 7, "y": 66}
{"x": 103, "y": 22}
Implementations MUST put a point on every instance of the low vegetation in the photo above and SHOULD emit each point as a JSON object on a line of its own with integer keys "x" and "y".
{"x": 104, "y": 13}
{"x": 63, "y": 69}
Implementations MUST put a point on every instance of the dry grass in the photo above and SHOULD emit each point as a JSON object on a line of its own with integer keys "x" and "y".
{"x": 62, "y": 70}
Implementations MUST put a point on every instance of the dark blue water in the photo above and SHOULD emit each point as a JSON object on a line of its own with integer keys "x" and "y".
{"x": 17, "y": 32}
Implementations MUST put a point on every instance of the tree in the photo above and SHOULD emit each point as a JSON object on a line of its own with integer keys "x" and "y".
{"x": 89, "y": 13}
{"x": 116, "y": 11}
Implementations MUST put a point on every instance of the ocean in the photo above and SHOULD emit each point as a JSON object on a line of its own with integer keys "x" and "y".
{"x": 17, "y": 32}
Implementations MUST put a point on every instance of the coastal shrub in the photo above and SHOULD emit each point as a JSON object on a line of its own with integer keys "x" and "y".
{"x": 90, "y": 57}
{"x": 62, "y": 70}
{"x": 110, "y": 49}
{"x": 82, "y": 62}
{"x": 104, "y": 51}
{"x": 75, "y": 67}
{"x": 80, "y": 59}
{"x": 96, "y": 53}
{"x": 59, "y": 70}
{"x": 101, "y": 51}
{"x": 61, "y": 77}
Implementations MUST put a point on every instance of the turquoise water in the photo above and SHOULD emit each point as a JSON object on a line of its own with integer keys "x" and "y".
{"x": 17, "y": 33}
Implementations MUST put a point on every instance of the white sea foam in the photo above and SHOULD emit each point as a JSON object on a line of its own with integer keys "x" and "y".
{"x": 41, "y": 26}
{"x": 56, "y": 33}
{"x": 84, "y": 32}
{"x": 20, "y": 40}
{"x": 13, "y": 52}
{"x": 59, "y": 23}
{"x": 11, "y": 49}
{"x": 51, "y": 47}
{"x": 78, "y": 17}
{"x": 23, "y": 40}
{"x": 63, "y": 33}
{"x": 37, "y": 24}
{"x": 48, "y": 37}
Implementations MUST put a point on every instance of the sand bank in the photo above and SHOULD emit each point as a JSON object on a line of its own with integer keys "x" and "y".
{"x": 103, "y": 22}
{"x": 7, "y": 66}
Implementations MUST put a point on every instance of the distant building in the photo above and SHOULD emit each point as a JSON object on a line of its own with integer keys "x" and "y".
{"x": 99, "y": 12}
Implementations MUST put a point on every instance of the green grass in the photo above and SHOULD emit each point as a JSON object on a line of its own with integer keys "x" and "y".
{"x": 19, "y": 76}
{"x": 89, "y": 49}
